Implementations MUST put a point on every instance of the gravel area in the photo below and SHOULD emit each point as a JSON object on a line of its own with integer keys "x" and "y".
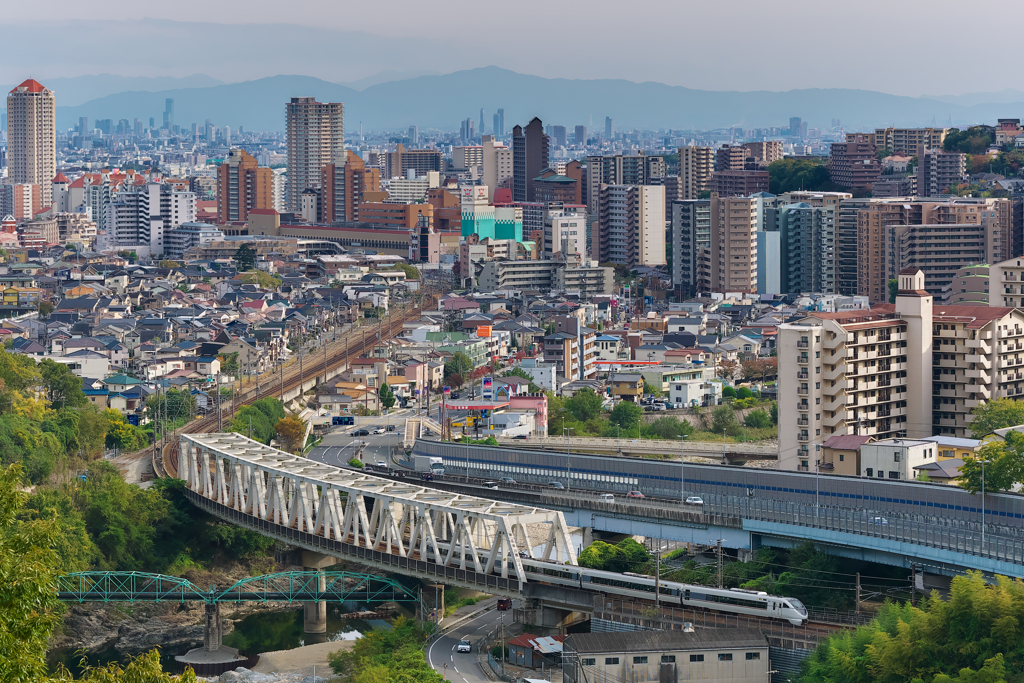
{"x": 302, "y": 659}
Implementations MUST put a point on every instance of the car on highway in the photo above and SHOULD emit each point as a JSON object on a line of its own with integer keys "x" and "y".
{"x": 634, "y": 494}
{"x": 557, "y": 485}
{"x": 521, "y": 436}
{"x": 508, "y": 480}
{"x": 465, "y": 646}
{"x": 382, "y": 465}
{"x": 378, "y": 430}
{"x": 505, "y": 604}
{"x": 694, "y": 500}
{"x": 490, "y": 485}
{"x": 881, "y": 521}
{"x": 610, "y": 497}
{"x": 360, "y": 432}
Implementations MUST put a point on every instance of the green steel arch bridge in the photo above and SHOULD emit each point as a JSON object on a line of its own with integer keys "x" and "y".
{"x": 298, "y": 586}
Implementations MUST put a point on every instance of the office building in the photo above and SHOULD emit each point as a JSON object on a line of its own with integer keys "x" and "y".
{"x": 733, "y": 257}
{"x": 500, "y": 130}
{"x": 579, "y": 136}
{"x": 482, "y": 127}
{"x": 939, "y": 172}
{"x": 608, "y": 128}
{"x": 481, "y": 218}
{"x": 402, "y": 160}
{"x": 691, "y": 246}
{"x": 622, "y": 169}
{"x": 807, "y": 239}
{"x": 414, "y": 135}
{"x": 32, "y": 137}
{"x": 316, "y": 133}
{"x": 696, "y": 164}
{"x": 565, "y": 229}
{"x": 560, "y": 136}
{"x": 345, "y": 183}
{"x": 865, "y": 372}
{"x": 529, "y": 158}
{"x": 939, "y": 237}
{"x": 242, "y": 186}
{"x": 186, "y": 236}
{"x": 853, "y": 163}
{"x": 467, "y": 131}
{"x": 169, "y": 113}
{"x": 631, "y": 225}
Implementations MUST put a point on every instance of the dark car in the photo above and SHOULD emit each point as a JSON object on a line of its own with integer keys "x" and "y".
{"x": 455, "y": 394}
{"x": 521, "y": 436}
{"x": 360, "y": 432}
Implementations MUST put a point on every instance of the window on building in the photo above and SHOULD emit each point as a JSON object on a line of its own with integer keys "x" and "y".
{"x": 895, "y": 457}
{"x": 753, "y": 655}
{"x": 639, "y": 660}
{"x": 870, "y": 472}
{"x": 892, "y": 475}
{"x": 589, "y": 661}
{"x": 725, "y": 656}
{"x": 696, "y": 658}
{"x": 841, "y": 457}
{"x": 668, "y": 659}
{"x": 609, "y": 661}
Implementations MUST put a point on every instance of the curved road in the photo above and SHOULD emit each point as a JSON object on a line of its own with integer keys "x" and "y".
{"x": 464, "y": 667}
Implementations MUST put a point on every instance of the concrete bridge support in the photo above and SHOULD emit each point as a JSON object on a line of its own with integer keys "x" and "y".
{"x": 212, "y": 634}
{"x": 315, "y": 618}
{"x": 548, "y": 618}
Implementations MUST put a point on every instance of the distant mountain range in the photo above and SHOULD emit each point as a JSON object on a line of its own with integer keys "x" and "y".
{"x": 442, "y": 101}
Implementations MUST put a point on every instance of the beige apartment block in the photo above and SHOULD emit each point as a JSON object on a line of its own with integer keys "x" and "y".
{"x": 316, "y": 133}
{"x": 733, "y": 244}
{"x": 32, "y": 137}
{"x": 696, "y": 164}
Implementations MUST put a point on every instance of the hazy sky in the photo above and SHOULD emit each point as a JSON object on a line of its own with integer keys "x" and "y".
{"x": 908, "y": 48}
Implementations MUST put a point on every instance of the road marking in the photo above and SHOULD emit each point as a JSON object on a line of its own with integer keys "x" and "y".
{"x": 453, "y": 647}
{"x": 453, "y": 658}
{"x": 456, "y": 669}
{"x": 464, "y": 678}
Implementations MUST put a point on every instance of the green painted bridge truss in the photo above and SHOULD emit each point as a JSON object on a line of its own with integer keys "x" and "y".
{"x": 310, "y": 586}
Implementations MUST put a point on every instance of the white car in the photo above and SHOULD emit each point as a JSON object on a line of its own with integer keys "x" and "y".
{"x": 382, "y": 464}
{"x": 464, "y": 646}
{"x": 378, "y": 430}
{"x": 694, "y": 500}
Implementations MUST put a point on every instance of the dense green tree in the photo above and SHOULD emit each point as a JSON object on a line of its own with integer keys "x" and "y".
{"x": 386, "y": 396}
{"x": 773, "y": 411}
{"x": 894, "y": 288}
{"x": 787, "y": 175}
{"x": 262, "y": 415}
{"x": 974, "y": 140}
{"x": 996, "y": 414}
{"x": 61, "y": 385}
{"x": 458, "y": 364}
{"x": 758, "y": 419}
{"x": 228, "y": 363}
{"x": 668, "y": 427}
{"x": 245, "y": 258}
{"x": 744, "y": 392}
{"x": 584, "y": 405}
{"x": 18, "y": 372}
{"x": 1003, "y": 465}
{"x": 71, "y": 539}
{"x": 722, "y": 418}
{"x": 392, "y": 655}
{"x": 625, "y": 556}
{"x": 29, "y": 566}
{"x": 626, "y": 414}
{"x": 45, "y": 309}
{"x": 523, "y": 374}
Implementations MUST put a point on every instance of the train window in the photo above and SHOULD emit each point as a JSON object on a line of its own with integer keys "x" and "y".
{"x": 725, "y": 656}
{"x": 668, "y": 659}
{"x": 696, "y": 658}
{"x": 608, "y": 661}
{"x": 639, "y": 660}
{"x": 753, "y": 655}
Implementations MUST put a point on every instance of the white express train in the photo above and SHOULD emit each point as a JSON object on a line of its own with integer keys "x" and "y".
{"x": 734, "y": 600}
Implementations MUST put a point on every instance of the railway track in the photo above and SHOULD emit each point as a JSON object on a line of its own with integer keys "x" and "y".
{"x": 354, "y": 344}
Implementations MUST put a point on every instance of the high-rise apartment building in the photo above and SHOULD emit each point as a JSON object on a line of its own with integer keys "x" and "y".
{"x": 868, "y": 373}
{"x": 496, "y": 164}
{"x": 731, "y": 158}
{"x": 691, "y": 246}
{"x": 631, "y": 224}
{"x": 903, "y": 141}
{"x": 20, "y": 200}
{"x": 529, "y": 158}
{"x": 853, "y": 163}
{"x": 696, "y": 164}
{"x": 938, "y": 171}
{"x": 242, "y": 186}
{"x": 939, "y": 237}
{"x": 622, "y": 169}
{"x": 580, "y": 136}
{"x": 733, "y": 244}
{"x": 482, "y": 126}
{"x": 32, "y": 137}
{"x": 402, "y": 160}
{"x": 560, "y": 136}
{"x": 764, "y": 152}
{"x": 807, "y": 239}
{"x": 316, "y": 133}
{"x": 345, "y": 183}
{"x": 140, "y": 216}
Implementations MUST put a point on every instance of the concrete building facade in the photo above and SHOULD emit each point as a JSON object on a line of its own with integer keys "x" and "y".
{"x": 316, "y": 134}
{"x": 32, "y": 137}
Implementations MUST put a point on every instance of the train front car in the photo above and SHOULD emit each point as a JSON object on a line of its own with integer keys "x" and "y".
{"x": 794, "y": 611}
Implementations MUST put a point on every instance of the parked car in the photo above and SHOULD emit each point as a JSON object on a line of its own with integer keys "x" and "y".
{"x": 508, "y": 480}
{"x": 360, "y": 432}
{"x": 694, "y": 500}
{"x": 557, "y": 485}
{"x": 465, "y": 646}
{"x": 634, "y": 494}
{"x": 659, "y": 406}
{"x": 455, "y": 394}
{"x": 649, "y": 408}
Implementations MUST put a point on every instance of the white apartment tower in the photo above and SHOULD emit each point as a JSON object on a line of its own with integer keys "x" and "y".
{"x": 316, "y": 132}
{"x": 32, "y": 137}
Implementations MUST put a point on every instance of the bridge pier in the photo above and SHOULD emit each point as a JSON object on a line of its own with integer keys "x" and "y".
{"x": 212, "y": 633}
{"x": 315, "y": 613}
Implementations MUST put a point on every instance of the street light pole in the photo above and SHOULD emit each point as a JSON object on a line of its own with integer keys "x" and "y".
{"x": 682, "y": 464}
{"x": 568, "y": 461}
{"x": 983, "y": 463}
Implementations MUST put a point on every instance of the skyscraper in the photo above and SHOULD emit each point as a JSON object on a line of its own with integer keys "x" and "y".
{"x": 501, "y": 123}
{"x": 316, "y": 133}
{"x": 581, "y": 136}
{"x": 169, "y": 113}
{"x": 608, "y": 128}
{"x": 496, "y": 122}
{"x": 414, "y": 135}
{"x": 482, "y": 126}
{"x": 529, "y": 158}
{"x": 242, "y": 186}
{"x": 32, "y": 137}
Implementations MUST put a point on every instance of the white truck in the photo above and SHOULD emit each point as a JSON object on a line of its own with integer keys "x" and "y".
{"x": 428, "y": 464}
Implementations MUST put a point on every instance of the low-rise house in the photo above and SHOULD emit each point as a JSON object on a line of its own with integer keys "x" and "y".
{"x": 627, "y": 386}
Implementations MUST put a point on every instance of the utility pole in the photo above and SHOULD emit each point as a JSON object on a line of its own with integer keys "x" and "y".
{"x": 719, "y": 563}
{"x": 857, "y": 595}
{"x": 220, "y": 414}
{"x": 281, "y": 367}
{"x": 913, "y": 584}
{"x": 657, "y": 576}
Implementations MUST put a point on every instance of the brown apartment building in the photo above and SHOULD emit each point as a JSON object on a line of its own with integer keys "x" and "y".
{"x": 529, "y": 157}
{"x": 853, "y": 163}
{"x": 739, "y": 183}
{"x": 764, "y": 152}
{"x": 696, "y": 165}
{"x": 316, "y": 133}
{"x": 345, "y": 184}
{"x": 402, "y": 160}
{"x": 939, "y": 238}
{"x": 242, "y": 186}
{"x": 733, "y": 266}
{"x": 903, "y": 141}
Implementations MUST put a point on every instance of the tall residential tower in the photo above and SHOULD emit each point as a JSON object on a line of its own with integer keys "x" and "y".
{"x": 316, "y": 132}
{"x": 32, "y": 137}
